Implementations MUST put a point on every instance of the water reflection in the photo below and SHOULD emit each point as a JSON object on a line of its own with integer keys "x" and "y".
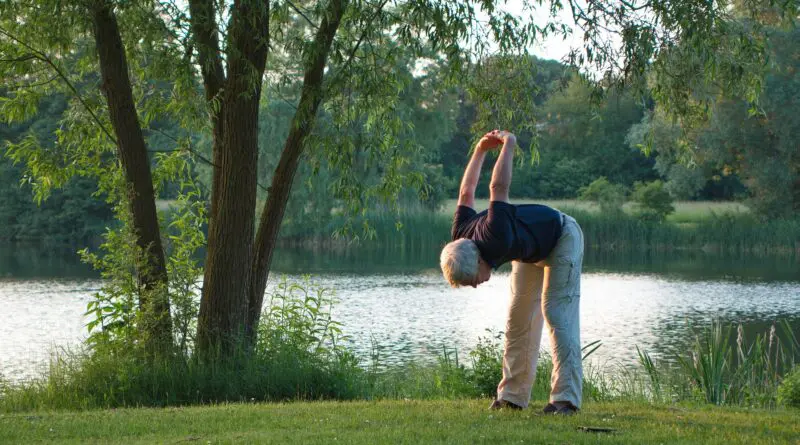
{"x": 26, "y": 261}
{"x": 32, "y": 261}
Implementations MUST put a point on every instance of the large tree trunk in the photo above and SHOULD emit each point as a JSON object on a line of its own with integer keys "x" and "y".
{"x": 116, "y": 85}
{"x": 223, "y": 306}
{"x": 301, "y": 126}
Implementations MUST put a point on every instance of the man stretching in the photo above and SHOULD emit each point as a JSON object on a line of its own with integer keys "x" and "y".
{"x": 545, "y": 248}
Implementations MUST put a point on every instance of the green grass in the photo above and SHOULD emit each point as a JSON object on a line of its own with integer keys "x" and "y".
{"x": 685, "y": 211}
{"x": 459, "y": 421}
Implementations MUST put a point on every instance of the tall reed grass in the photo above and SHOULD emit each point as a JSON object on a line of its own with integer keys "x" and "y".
{"x": 740, "y": 233}
{"x": 724, "y": 369}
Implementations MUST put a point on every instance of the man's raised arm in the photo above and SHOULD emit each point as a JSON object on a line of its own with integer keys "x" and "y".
{"x": 466, "y": 194}
{"x": 501, "y": 175}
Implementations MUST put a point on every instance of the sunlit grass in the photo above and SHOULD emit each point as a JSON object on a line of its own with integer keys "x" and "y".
{"x": 399, "y": 421}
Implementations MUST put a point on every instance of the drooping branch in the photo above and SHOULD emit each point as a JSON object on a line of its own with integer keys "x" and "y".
{"x": 302, "y": 14}
{"x": 191, "y": 150}
{"x": 302, "y": 123}
{"x": 43, "y": 57}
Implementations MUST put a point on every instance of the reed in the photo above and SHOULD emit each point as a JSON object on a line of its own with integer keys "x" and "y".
{"x": 725, "y": 234}
{"x": 724, "y": 369}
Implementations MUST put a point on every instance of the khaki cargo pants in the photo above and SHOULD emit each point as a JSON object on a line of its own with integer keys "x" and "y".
{"x": 548, "y": 290}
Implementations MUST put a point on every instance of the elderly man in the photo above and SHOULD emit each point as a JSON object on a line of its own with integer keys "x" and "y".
{"x": 545, "y": 248}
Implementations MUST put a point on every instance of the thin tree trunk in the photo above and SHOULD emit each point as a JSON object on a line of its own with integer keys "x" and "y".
{"x": 116, "y": 85}
{"x": 204, "y": 29}
{"x": 301, "y": 126}
{"x": 223, "y": 306}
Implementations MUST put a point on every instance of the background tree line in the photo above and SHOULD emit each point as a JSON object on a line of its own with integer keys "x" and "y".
{"x": 736, "y": 155}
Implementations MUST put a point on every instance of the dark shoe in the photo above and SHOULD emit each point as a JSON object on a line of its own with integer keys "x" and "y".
{"x": 565, "y": 410}
{"x": 500, "y": 404}
{"x": 550, "y": 409}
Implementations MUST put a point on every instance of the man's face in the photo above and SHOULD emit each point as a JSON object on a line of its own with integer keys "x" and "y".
{"x": 484, "y": 273}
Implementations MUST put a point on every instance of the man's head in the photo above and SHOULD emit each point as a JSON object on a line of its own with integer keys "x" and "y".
{"x": 462, "y": 264}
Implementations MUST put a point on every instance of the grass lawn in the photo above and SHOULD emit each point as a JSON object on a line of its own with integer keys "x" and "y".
{"x": 685, "y": 211}
{"x": 456, "y": 422}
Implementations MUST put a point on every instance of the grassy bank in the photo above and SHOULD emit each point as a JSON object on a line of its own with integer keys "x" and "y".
{"x": 727, "y": 228}
{"x": 685, "y": 211}
{"x": 457, "y": 421}
{"x": 725, "y": 233}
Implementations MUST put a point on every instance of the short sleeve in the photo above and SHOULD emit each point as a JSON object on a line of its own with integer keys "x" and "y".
{"x": 462, "y": 216}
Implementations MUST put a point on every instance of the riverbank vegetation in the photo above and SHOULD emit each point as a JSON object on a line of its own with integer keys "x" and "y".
{"x": 695, "y": 227}
{"x": 301, "y": 356}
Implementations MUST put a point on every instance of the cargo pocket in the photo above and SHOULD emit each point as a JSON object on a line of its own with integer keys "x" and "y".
{"x": 562, "y": 273}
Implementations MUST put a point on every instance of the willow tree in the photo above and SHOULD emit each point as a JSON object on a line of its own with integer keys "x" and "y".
{"x": 221, "y": 58}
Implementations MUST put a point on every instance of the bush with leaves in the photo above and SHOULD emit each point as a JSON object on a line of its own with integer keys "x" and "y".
{"x": 608, "y": 196}
{"x": 789, "y": 390}
{"x": 487, "y": 363}
{"x": 652, "y": 201}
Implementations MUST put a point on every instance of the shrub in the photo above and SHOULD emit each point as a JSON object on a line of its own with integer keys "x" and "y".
{"x": 608, "y": 196}
{"x": 789, "y": 389}
{"x": 652, "y": 201}
{"x": 299, "y": 355}
{"x": 487, "y": 364}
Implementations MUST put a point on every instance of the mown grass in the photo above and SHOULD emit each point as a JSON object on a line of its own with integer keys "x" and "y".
{"x": 397, "y": 421}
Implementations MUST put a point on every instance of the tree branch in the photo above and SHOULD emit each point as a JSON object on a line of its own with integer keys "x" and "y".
{"x": 191, "y": 150}
{"x": 297, "y": 10}
{"x": 41, "y": 56}
{"x": 204, "y": 27}
{"x": 301, "y": 126}
{"x": 361, "y": 38}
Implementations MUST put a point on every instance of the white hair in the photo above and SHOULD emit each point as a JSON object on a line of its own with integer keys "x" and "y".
{"x": 459, "y": 261}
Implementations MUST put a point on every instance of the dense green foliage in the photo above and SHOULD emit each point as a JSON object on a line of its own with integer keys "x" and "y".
{"x": 652, "y": 202}
{"x": 72, "y": 214}
{"x": 789, "y": 390}
{"x": 759, "y": 146}
{"x": 608, "y": 196}
{"x": 579, "y": 141}
{"x": 725, "y": 233}
{"x": 736, "y": 373}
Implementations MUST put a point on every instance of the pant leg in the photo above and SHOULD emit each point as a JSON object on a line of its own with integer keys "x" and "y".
{"x": 561, "y": 308}
{"x": 523, "y": 334}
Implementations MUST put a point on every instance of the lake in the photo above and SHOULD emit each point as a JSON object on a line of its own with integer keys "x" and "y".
{"x": 395, "y": 301}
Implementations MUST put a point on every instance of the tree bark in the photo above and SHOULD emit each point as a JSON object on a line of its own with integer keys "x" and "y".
{"x": 223, "y": 306}
{"x": 301, "y": 126}
{"x": 116, "y": 86}
{"x": 204, "y": 29}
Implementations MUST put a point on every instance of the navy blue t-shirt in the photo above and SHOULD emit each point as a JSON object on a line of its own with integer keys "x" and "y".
{"x": 507, "y": 232}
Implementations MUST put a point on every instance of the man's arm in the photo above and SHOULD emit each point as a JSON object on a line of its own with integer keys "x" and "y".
{"x": 501, "y": 175}
{"x": 466, "y": 194}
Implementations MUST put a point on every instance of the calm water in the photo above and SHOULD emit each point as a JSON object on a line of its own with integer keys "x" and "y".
{"x": 398, "y": 303}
